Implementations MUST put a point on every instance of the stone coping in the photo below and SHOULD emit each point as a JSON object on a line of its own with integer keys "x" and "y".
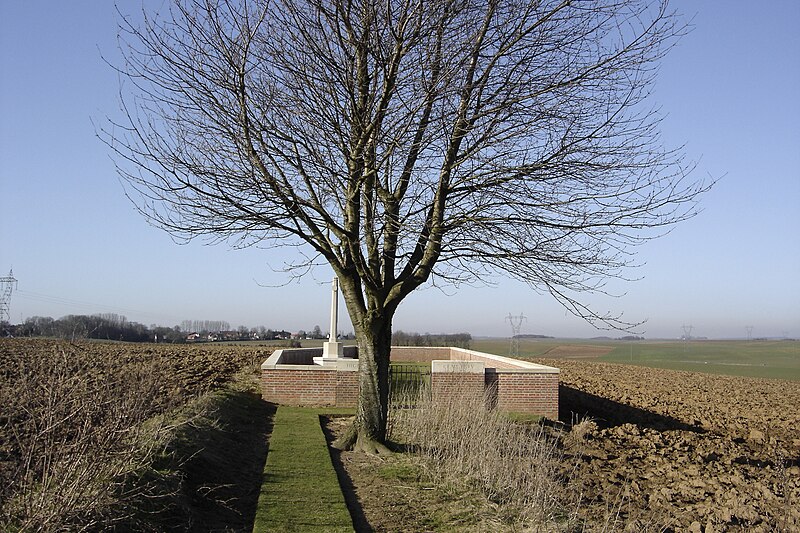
{"x": 458, "y": 367}
{"x": 303, "y": 359}
{"x": 516, "y": 364}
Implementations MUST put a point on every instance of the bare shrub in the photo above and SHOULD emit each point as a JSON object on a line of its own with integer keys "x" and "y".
{"x": 574, "y": 440}
{"x": 516, "y": 466}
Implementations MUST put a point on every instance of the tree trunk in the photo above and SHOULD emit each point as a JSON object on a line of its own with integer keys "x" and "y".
{"x": 368, "y": 432}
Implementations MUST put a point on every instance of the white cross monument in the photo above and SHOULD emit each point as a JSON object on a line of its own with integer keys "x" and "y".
{"x": 332, "y": 350}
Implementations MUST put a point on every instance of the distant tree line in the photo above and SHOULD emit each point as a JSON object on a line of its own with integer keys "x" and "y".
{"x": 101, "y": 326}
{"x": 110, "y": 326}
{"x": 458, "y": 340}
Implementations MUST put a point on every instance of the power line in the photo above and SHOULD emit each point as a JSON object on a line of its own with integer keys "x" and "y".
{"x": 90, "y": 306}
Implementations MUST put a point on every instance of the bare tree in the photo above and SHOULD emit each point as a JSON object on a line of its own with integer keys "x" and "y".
{"x": 406, "y": 142}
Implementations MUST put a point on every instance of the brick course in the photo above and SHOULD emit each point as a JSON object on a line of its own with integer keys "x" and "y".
{"x": 419, "y": 354}
{"x": 346, "y": 389}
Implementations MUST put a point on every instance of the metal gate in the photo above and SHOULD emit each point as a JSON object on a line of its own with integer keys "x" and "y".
{"x": 408, "y": 381}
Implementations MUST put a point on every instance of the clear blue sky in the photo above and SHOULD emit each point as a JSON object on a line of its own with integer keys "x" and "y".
{"x": 731, "y": 90}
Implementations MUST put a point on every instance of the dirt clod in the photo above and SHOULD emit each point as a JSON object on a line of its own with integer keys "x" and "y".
{"x": 703, "y": 452}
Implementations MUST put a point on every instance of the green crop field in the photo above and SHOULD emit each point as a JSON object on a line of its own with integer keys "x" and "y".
{"x": 765, "y": 359}
{"x": 778, "y": 359}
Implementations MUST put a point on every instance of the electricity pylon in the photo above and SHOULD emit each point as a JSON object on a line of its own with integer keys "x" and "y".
{"x": 7, "y": 286}
{"x": 687, "y": 336}
{"x": 516, "y": 324}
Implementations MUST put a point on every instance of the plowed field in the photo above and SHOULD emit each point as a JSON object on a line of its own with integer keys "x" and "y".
{"x": 691, "y": 451}
{"x": 80, "y": 429}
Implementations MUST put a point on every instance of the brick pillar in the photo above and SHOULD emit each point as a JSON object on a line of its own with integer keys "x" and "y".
{"x": 347, "y": 382}
{"x": 456, "y": 378}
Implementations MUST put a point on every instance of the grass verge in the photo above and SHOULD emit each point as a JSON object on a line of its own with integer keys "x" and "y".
{"x": 219, "y": 450}
{"x": 300, "y": 491}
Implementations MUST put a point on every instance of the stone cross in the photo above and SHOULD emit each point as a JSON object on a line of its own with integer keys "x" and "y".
{"x": 333, "y": 349}
{"x": 334, "y": 309}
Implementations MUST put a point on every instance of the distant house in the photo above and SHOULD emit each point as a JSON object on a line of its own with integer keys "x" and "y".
{"x": 226, "y": 336}
{"x": 193, "y": 337}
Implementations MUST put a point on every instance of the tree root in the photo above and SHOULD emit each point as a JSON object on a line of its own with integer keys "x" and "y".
{"x": 347, "y": 441}
{"x": 358, "y": 442}
{"x": 371, "y": 446}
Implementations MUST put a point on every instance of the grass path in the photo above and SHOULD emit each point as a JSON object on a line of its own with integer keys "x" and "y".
{"x": 300, "y": 491}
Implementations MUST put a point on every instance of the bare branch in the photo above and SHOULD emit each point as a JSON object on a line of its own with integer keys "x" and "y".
{"x": 408, "y": 142}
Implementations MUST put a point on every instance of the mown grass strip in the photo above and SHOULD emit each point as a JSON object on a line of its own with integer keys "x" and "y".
{"x": 300, "y": 491}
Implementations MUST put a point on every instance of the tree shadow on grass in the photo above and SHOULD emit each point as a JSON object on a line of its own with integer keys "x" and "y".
{"x": 360, "y": 523}
{"x": 575, "y": 404}
{"x": 223, "y": 461}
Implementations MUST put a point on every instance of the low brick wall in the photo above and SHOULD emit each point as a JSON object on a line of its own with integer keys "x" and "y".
{"x": 290, "y": 377}
{"x": 313, "y": 386}
{"x": 517, "y": 386}
{"x": 495, "y": 361}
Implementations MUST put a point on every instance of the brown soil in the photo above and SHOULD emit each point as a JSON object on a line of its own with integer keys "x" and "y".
{"x": 691, "y": 451}
{"x": 666, "y": 451}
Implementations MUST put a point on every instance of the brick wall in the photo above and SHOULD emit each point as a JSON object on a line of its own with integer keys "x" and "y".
{"x": 456, "y": 384}
{"x": 300, "y": 387}
{"x": 524, "y": 392}
{"x": 467, "y": 356}
{"x": 490, "y": 360}
{"x": 346, "y": 389}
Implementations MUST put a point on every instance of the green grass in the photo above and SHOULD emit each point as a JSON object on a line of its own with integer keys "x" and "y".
{"x": 300, "y": 491}
{"x": 400, "y": 471}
